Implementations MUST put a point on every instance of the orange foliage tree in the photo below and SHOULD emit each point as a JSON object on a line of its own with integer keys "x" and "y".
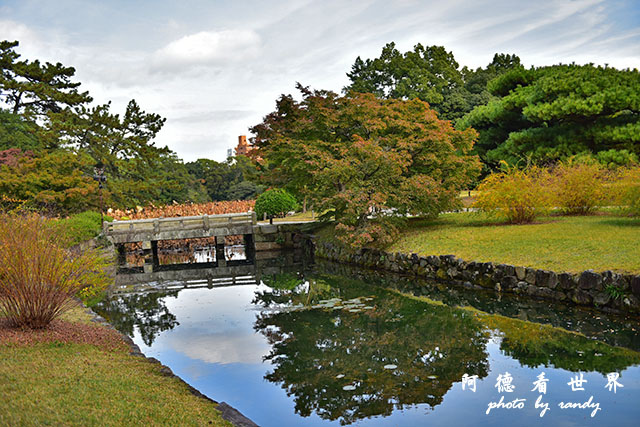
{"x": 365, "y": 161}
{"x": 184, "y": 209}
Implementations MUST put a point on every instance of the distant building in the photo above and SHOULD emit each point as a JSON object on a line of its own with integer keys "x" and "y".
{"x": 229, "y": 153}
{"x": 243, "y": 147}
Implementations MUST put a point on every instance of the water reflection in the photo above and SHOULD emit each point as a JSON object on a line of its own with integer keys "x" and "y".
{"x": 316, "y": 353}
{"x": 339, "y": 345}
{"x": 146, "y": 312}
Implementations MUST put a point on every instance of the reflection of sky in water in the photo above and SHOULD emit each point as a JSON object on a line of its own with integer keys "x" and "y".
{"x": 216, "y": 349}
{"x": 216, "y": 326}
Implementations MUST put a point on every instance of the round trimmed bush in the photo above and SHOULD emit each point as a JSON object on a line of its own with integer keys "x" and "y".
{"x": 275, "y": 202}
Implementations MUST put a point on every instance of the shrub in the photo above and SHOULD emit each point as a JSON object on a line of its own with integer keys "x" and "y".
{"x": 275, "y": 202}
{"x": 79, "y": 227}
{"x": 578, "y": 188}
{"x": 518, "y": 196}
{"x": 38, "y": 277}
{"x": 628, "y": 190}
{"x": 613, "y": 159}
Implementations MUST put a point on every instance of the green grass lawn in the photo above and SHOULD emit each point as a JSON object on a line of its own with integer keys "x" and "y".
{"x": 58, "y": 383}
{"x": 557, "y": 243}
{"x": 298, "y": 216}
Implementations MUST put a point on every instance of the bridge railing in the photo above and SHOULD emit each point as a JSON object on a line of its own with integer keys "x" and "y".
{"x": 158, "y": 225}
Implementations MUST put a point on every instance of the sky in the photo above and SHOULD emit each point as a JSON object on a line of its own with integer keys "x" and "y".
{"x": 214, "y": 68}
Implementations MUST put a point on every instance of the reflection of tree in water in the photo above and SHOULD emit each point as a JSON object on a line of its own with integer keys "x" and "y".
{"x": 316, "y": 352}
{"x": 292, "y": 288}
{"x": 146, "y": 312}
{"x": 536, "y": 345}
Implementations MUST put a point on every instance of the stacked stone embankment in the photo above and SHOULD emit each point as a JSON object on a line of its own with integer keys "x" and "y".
{"x": 607, "y": 291}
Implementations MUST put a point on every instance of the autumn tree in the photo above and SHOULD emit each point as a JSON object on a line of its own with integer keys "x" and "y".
{"x": 367, "y": 162}
{"x": 550, "y": 113}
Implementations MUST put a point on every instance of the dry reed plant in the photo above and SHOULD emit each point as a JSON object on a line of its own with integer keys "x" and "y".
{"x": 38, "y": 277}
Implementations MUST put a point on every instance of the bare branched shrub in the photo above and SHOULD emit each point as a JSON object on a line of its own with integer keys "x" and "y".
{"x": 38, "y": 277}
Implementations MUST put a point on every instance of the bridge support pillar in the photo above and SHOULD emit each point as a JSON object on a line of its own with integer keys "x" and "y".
{"x": 122, "y": 254}
{"x": 150, "y": 253}
{"x": 249, "y": 247}
{"x": 220, "y": 259}
{"x": 155, "y": 260}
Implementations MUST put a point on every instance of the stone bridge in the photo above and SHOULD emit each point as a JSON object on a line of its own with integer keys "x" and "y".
{"x": 256, "y": 237}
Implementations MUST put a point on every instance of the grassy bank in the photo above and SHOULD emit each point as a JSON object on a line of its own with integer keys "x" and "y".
{"x": 76, "y": 374}
{"x": 562, "y": 243}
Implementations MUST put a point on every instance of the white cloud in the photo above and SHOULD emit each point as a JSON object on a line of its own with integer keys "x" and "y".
{"x": 207, "y": 48}
{"x": 217, "y": 68}
{"x": 223, "y": 348}
{"x": 10, "y": 30}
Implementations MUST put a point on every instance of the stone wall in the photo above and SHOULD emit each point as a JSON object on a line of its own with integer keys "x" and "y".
{"x": 274, "y": 237}
{"x": 607, "y": 291}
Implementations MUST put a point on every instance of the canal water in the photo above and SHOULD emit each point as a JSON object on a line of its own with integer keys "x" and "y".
{"x": 292, "y": 344}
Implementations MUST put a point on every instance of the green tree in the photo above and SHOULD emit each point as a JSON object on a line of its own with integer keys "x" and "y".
{"x": 244, "y": 190}
{"x": 368, "y": 162}
{"x": 216, "y": 177}
{"x": 430, "y": 74}
{"x": 551, "y": 113}
{"x": 229, "y": 180}
{"x": 275, "y": 202}
{"x": 18, "y": 132}
{"x": 38, "y": 88}
{"x": 52, "y": 182}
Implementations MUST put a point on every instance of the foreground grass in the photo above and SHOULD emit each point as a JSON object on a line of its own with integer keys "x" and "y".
{"x": 571, "y": 244}
{"x": 80, "y": 384}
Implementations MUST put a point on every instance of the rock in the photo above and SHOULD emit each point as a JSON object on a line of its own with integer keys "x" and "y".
{"x": 509, "y": 282}
{"x": 234, "y": 416}
{"x": 567, "y": 281}
{"x": 635, "y": 285}
{"x": 485, "y": 281}
{"x": 532, "y": 290}
{"x": 601, "y": 298}
{"x": 448, "y": 259}
{"x": 581, "y": 297}
{"x": 530, "y": 276}
{"x": 546, "y": 293}
{"x": 546, "y": 279}
{"x": 520, "y": 272}
{"x": 433, "y": 260}
{"x": 632, "y": 303}
{"x": 487, "y": 268}
{"x": 507, "y": 270}
{"x": 589, "y": 280}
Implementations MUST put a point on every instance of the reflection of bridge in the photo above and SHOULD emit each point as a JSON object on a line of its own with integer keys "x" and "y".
{"x": 186, "y": 278}
{"x": 205, "y": 275}
{"x": 150, "y": 231}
